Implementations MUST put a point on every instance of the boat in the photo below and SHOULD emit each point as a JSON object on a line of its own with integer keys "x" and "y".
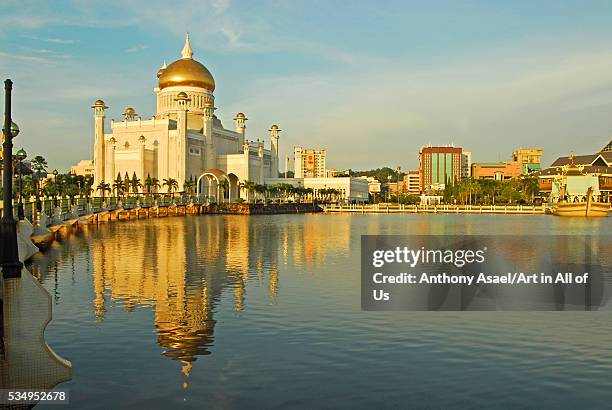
{"x": 588, "y": 208}
{"x": 577, "y": 194}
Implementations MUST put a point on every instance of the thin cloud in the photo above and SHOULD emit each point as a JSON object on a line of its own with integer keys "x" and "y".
{"x": 27, "y": 58}
{"x": 136, "y": 48}
{"x": 54, "y": 40}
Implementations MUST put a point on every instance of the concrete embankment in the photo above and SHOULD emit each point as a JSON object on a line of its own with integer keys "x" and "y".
{"x": 34, "y": 237}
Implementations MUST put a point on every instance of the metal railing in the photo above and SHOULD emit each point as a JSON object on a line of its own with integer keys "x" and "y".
{"x": 83, "y": 205}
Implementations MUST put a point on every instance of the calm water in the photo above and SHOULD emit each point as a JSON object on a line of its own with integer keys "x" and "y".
{"x": 264, "y": 312}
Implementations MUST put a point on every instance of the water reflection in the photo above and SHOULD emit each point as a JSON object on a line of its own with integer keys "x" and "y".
{"x": 182, "y": 267}
{"x": 232, "y": 299}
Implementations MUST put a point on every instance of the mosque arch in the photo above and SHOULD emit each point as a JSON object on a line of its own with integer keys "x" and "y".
{"x": 211, "y": 184}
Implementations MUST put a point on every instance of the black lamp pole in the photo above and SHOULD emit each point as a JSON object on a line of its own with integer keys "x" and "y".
{"x": 9, "y": 254}
{"x": 21, "y": 155}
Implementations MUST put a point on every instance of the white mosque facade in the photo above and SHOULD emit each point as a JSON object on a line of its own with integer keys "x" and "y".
{"x": 184, "y": 140}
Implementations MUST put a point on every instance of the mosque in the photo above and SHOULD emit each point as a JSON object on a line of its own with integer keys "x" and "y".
{"x": 184, "y": 140}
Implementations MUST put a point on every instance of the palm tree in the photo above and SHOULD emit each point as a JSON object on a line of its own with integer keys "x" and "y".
{"x": 531, "y": 186}
{"x": 118, "y": 185}
{"x": 249, "y": 186}
{"x": 188, "y": 186}
{"x": 135, "y": 183}
{"x": 126, "y": 183}
{"x": 50, "y": 189}
{"x": 172, "y": 185}
{"x": 103, "y": 187}
{"x": 151, "y": 183}
{"x": 224, "y": 185}
{"x": 308, "y": 192}
{"x": 39, "y": 164}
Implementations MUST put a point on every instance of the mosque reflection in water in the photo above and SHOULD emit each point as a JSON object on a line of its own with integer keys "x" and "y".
{"x": 182, "y": 267}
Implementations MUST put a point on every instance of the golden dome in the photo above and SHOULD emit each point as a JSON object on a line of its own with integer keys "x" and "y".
{"x": 99, "y": 104}
{"x": 240, "y": 116}
{"x": 186, "y": 72}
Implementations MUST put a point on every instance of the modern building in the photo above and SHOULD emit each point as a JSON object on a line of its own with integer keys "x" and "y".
{"x": 413, "y": 182}
{"x": 598, "y": 164}
{"x": 529, "y": 159}
{"x": 352, "y": 190}
{"x": 374, "y": 185}
{"x": 184, "y": 139}
{"x": 85, "y": 167}
{"x": 466, "y": 164}
{"x": 309, "y": 163}
{"x": 438, "y": 166}
{"x": 498, "y": 171}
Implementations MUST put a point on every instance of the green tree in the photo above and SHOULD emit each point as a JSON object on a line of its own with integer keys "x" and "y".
{"x": 135, "y": 183}
{"x": 118, "y": 185}
{"x": 171, "y": 184}
{"x": 103, "y": 188}
{"x": 249, "y": 186}
{"x": 188, "y": 186}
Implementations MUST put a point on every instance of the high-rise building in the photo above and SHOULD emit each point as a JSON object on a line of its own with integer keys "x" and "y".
{"x": 413, "y": 182}
{"x": 439, "y": 165}
{"x": 309, "y": 163}
{"x": 466, "y": 164}
{"x": 529, "y": 159}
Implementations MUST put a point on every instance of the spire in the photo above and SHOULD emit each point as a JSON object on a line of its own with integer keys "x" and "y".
{"x": 187, "y": 52}
{"x": 164, "y": 66}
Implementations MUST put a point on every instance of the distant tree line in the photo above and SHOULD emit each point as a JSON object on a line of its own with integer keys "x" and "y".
{"x": 523, "y": 190}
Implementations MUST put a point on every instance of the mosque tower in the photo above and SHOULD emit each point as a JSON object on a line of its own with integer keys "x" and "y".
{"x": 99, "y": 107}
{"x": 274, "y": 130}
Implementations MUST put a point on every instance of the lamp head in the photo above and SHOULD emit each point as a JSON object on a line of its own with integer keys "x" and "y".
{"x": 14, "y": 129}
{"x": 21, "y": 155}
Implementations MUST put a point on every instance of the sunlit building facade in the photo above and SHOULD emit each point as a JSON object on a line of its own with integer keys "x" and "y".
{"x": 184, "y": 139}
{"x": 529, "y": 159}
{"x": 438, "y": 166}
{"x": 309, "y": 163}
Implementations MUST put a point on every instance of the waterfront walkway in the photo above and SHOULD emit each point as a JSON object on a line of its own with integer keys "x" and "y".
{"x": 433, "y": 209}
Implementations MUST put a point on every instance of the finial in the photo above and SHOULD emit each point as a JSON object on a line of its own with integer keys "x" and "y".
{"x": 165, "y": 65}
{"x": 187, "y": 52}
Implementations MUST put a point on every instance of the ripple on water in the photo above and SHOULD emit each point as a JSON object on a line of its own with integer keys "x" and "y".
{"x": 234, "y": 311}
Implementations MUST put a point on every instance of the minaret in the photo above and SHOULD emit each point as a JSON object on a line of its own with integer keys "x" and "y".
{"x": 111, "y": 160}
{"x": 260, "y": 154}
{"x": 181, "y": 142}
{"x": 246, "y": 165}
{"x": 141, "y": 151}
{"x": 240, "y": 119}
{"x": 98, "y": 154}
{"x": 211, "y": 152}
{"x": 274, "y": 130}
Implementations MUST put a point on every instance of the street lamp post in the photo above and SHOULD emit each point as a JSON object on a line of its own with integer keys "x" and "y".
{"x": 9, "y": 253}
{"x": 36, "y": 176}
{"x": 398, "y": 184}
{"x": 21, "y": 155}
{"x": 56, "y": 187}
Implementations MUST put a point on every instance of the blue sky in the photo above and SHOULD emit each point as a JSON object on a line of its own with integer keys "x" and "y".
{"x": 369, "y": 81}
